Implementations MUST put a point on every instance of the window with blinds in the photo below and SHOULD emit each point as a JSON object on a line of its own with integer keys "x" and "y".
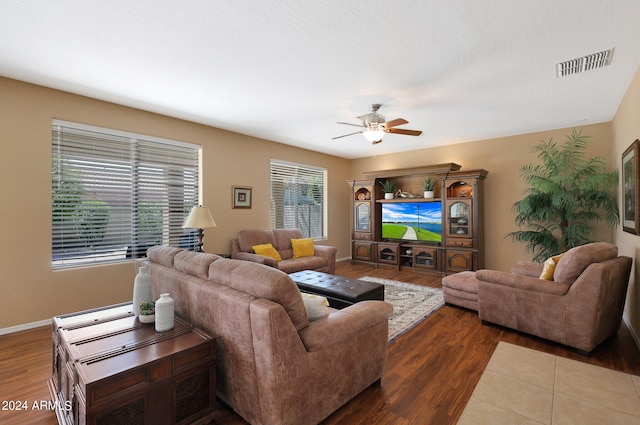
{"x": 298, "y": 194}
{"x": 114, "y": 194}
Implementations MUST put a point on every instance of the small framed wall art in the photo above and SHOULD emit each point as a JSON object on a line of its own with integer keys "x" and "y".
{"x": 241, "y": 196}
{"x": 631, "y": 188}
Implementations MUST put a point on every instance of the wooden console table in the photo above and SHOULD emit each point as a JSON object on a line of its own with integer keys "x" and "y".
{"x": 108, "y": 368}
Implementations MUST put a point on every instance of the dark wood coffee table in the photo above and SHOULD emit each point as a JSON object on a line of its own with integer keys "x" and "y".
{"x": 340, "y": 291}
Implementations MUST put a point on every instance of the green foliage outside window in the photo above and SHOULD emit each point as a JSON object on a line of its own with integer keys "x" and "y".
{"x": 85, "y": 220}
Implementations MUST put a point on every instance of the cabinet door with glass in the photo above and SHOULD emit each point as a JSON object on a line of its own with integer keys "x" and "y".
{"x": 459, "y": 218}
{"x": 426, "y": 258}
{"x": 362, "y": 220}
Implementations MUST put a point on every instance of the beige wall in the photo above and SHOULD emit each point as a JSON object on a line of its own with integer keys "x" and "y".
{"x": 502, "y": 158}
{"x": 626, "y": 129}
{"x": 29, "y": 290}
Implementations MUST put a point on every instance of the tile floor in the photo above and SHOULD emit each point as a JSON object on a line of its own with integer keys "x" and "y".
{"x": 523, "y": 386}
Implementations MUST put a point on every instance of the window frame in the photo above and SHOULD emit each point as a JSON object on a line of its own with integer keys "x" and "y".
{"x": 146, "y": 184}
{"x": 277, "y": 197}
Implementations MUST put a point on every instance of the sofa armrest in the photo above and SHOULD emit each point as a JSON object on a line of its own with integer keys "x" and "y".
{"x": 325, "y": 251}
{"x": 329, "y": 253}
{"x": 525, "y": 283}
{"x": 248, "y": 256}
{"x": 235, "y": 248}
{"x": 341, "y": 325}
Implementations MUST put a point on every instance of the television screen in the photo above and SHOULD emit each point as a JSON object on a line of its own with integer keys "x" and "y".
{"x": 412, "y": 221}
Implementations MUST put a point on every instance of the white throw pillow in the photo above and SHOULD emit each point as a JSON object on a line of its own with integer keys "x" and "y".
{"x": 317, "y": 306}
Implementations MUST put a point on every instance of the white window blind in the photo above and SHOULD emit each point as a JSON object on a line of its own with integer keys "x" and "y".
{"x": 114, "y": 194}
{"x": 298, "y": 194}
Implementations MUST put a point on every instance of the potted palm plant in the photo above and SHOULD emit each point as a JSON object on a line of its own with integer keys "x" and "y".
{"x": 388, "y": 186}
{"x": 429, "y": 185}
{"x": 567, "y": 192}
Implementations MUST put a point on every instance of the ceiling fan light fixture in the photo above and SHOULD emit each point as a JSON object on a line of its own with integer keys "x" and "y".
{"x": 374, "y": 133}
{"x": 375, "y": 126}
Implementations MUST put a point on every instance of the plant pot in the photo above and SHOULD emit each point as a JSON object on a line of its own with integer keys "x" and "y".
{"x": 429, "y": 194}
{"x": 388, "y": 196}
{"x": 148, "y": 318}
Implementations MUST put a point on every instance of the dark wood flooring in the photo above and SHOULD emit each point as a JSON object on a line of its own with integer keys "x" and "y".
{"x": 430, "y": 374}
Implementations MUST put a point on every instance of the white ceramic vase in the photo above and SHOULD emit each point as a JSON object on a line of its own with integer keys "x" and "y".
{"x": 429, "y": 194}
{"x": 388, "y": 196}
{"x": 164, "y": 313}
{"x": 141, "y": 289}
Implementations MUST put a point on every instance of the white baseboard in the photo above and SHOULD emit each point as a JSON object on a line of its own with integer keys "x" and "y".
{"x": 634, "y": 335}
{"x": 343, "y": 259}
{"x": 24, "y": 327}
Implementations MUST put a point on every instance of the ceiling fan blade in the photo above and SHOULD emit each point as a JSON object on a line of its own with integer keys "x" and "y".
{"x": 345, "y": 135}
{"x": 403, "y": 131}
{"x": 348, "y": 123}
{"x": 397, "y": 121}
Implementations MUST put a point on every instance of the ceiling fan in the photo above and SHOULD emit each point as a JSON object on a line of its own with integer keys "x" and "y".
{"x": 374, "y": 126}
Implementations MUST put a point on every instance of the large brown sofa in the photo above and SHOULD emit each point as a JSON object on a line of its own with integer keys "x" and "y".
{"x": 323, "y": 260}
{"x": 581, "y": 307}
{"x": 273, "y": 365}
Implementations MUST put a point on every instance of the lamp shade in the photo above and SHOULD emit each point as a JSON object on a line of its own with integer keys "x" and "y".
{"x": 199, "y": 218}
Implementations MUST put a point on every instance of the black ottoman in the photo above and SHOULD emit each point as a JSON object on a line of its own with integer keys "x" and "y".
{"x": 340, "y": 291}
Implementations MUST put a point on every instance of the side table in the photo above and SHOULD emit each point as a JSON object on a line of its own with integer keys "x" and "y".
{"x": 109, "y": 368}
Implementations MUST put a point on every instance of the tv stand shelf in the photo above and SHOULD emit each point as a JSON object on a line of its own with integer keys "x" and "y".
{"x": 458, "y": 201}
{"x": 410, "y": 255}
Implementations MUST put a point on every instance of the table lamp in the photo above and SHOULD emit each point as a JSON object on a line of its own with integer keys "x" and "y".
{"x": 199, "y": 218}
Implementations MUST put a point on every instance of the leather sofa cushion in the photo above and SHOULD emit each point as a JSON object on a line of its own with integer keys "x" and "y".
{"x": 262, "y": 282}
{"x": 283, "y": 241}
{"x": 162, "y": 255}
{"x": 194, "y": 263}
{"x": 293, "y": 265}
{"x": 248, "y": 238}
{"x": 575, "y": 260}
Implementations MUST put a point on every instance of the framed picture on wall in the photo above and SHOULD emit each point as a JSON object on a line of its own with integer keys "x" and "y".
{"x": 241, "y": 196}
{"x": 631, "y": 188}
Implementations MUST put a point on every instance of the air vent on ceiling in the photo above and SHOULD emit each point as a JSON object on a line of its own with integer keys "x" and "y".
{"x": 585, "y": 63}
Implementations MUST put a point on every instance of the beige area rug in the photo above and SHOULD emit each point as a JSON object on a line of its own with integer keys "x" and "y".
{"x": 411, "y": 303}
{"x": 524, "y": 386}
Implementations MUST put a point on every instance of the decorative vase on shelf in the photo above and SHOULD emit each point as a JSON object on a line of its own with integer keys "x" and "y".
{"x": 141, "y": 289}
{"x": 147, "y": 318}
{"x": 164, "y": 313}
{"x": 429, "y": 194}
{"x": 388, "y": 195}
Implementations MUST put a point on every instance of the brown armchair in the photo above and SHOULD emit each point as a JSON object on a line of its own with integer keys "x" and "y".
{"x": 581, "y": 307}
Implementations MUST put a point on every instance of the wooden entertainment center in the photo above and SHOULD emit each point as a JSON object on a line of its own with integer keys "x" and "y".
{"x": 460, "y": 196}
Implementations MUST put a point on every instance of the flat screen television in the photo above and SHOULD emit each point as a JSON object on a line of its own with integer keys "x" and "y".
{"x": 412, "y": 221}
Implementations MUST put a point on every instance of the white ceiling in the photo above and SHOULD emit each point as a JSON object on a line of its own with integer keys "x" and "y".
{"x": 287, "y": 70}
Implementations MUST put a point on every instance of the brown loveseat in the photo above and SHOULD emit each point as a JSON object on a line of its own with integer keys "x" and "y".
{"x": 323, "y": 260}
{"x": 581, "y": 307}
{"x": 273, "y": 365}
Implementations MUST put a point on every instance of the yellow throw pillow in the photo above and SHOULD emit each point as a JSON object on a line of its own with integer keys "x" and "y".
{"x": 550, "y": 267}
{"x": 267, "y": 250}
{"x": 302, "y": 247}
